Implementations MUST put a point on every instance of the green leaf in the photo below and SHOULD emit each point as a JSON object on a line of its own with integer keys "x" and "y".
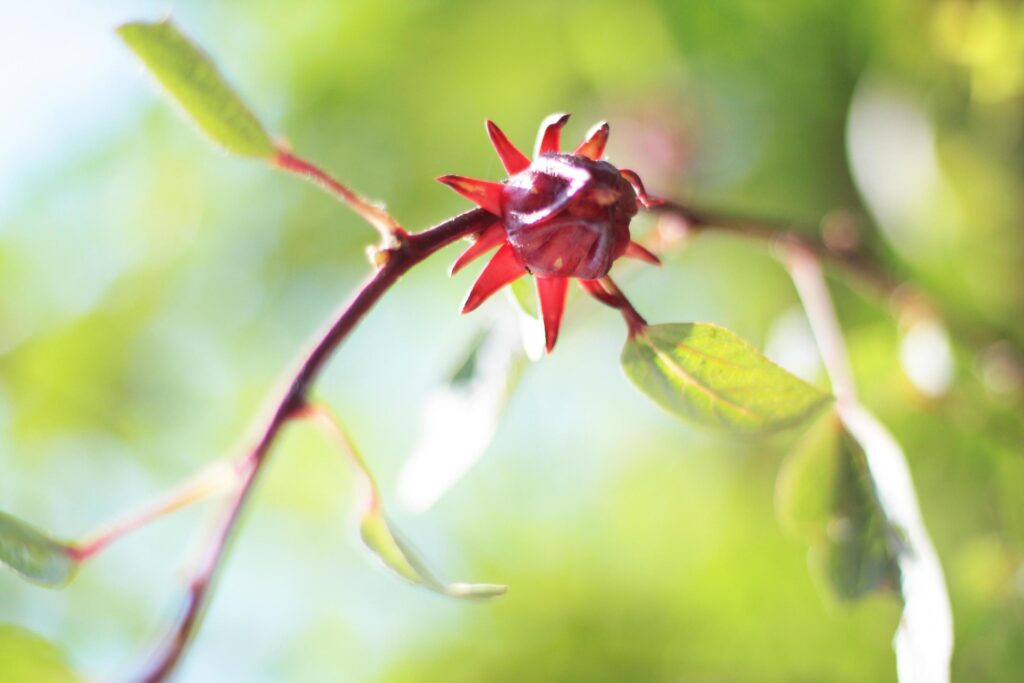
{"x": 706, "y": 374}
{"x": 191, "y": 78}
{"x": 379, "y": 536}
{"x": 803, "y": 490}
{"x": 27, "y": 658}
{"x": 825, "y": 494}
{"x": 34, "y": 555}
{"x": 400, "y": 558}
{"x": 524, "y": 295}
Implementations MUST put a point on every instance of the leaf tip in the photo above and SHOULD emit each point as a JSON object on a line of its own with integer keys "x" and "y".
{"x": 476, "y": 591}
{"x": 188, "y": 74}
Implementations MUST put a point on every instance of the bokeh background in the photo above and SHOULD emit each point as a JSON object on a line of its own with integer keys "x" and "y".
{"x": 154, "y": 288}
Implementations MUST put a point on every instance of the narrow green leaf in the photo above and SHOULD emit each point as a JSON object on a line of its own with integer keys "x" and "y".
{"x": 34, "y": 555}
{"x": 400, "y": 558}
{"x": 706, "y": 374}
{"x": 27, "y": 658}
{"x": 379, "y": 536}
{"x": 524, "y": 295}
{"x": 825, "y": 494}
{"x": 192, "y": 79}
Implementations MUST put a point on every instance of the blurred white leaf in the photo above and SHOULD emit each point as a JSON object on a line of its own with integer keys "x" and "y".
{"x": 523, "y": 295}
{"x": 790, "y": 343}
{"x": 890, "y": 142}
{"x": 924, "y": 638}
{"x": 460, "y": 418}
{"x": 927, "y": 357}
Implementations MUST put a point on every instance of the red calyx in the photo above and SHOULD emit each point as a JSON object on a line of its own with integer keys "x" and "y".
{"x": 560, "y": 216}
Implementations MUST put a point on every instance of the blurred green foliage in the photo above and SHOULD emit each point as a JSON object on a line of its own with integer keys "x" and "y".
{"x": 154, "y": 289}
{"x": 29, "y": 659}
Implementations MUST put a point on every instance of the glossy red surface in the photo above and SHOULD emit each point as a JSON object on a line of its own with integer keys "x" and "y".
{"x": 568, "y": 216}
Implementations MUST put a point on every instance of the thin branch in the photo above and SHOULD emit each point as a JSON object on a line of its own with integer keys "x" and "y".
{"x": 805, "y": 270}
{"x": 863, "y": 267}
{"x": 331, "y": 425}
{"x": 373, "y": 213}
{"x": 634, "y": 321}
{"x": 290, "y": 400}
{"x": 217, "y": 479}
{"x": 607, "y": 292}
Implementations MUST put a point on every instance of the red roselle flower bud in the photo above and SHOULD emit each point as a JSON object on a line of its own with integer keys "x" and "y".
{"x": 560, "y": 216}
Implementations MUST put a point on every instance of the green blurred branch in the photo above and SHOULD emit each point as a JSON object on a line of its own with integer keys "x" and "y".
{"x": 924, "y": 637}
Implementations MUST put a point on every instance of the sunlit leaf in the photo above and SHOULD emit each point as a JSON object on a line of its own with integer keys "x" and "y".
{"x": 27, "y": 658}
{"x": 380, "y": 537}
{"x": 825, "y": 494}
{"x": 706, "y": 374}
{"x": 34, "y": 555}
{"x": 195, "y": 83}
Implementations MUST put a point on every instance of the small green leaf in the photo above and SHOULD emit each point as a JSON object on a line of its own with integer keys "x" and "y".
{"x": 27, "y": 658}
{"x": 825, "y": 494}
{"x": 469, "y": 368}
{"x": 524, "y": 295}
{"x": 194, "y": 82}
{"x": 400, "y": 558}
{"x": 378, "y": 535}
{"x": 34, "y": 555}
{"x": 706, "y": 374}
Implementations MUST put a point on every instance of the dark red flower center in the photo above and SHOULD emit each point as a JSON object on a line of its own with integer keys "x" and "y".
{"x": 568, "y": 216}
{"x": 558, "y": 217}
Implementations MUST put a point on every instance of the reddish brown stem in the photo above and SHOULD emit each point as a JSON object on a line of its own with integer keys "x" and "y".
{"x": 219, "y": 478}
{"x": 408, "y": 251}
{"x": 372, "y": 212}
{"x": 607, "y": 292}
{"x": 862, "y": 266}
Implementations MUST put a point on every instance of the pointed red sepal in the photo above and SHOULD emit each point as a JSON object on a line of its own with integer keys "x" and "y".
{"x": 595, "y": 289}
{"x": 550, "y": 134}
{"x": 640, "y": 252}
{"x": 512, "y": 159}
{"x": 551, "y": 291}
{"x": 638, "y": 186}
{"x": 503, "y": 268}
{"x": 484, "y": 193}
{"x": 593, "y": 146}
{"x": 488, "y": 239}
